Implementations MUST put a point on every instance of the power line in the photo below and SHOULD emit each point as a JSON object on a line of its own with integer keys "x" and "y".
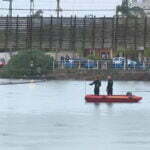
{"x": 62, "y": 9}
{"x": 68, "y": 9}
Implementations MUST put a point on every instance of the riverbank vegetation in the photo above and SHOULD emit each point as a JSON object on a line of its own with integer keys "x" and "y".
{"x": 37, "y": 64}
{"x": 27, "y": 64}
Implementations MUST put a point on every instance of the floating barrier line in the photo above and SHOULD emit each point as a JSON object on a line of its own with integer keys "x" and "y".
{"x": 26, "y": 82}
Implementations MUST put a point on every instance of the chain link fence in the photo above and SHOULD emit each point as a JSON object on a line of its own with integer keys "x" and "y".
{"x": 72, "y": 33}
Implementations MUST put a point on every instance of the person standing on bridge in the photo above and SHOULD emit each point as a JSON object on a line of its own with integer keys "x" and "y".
{"x": 97, "y": 84}
{"x": 109, "y": 86}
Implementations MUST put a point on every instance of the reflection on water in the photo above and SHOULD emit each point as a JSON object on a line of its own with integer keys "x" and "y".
{"x": 53, "y": 115}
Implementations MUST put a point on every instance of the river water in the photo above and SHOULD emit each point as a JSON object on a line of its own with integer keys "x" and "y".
{"x": 53, "y": 115}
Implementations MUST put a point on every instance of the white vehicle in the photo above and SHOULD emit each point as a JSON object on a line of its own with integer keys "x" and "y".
{"x": 121, "y": 60}
{"x": 118, "y": 60}
{"x": 131, "y": 62}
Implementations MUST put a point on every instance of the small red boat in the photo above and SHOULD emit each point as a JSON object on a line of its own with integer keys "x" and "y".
{"x": 112, "y": 99}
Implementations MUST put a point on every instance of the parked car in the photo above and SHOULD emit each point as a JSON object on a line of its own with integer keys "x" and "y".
{"x": 119, "y": 62}
{"x": 2, "y": 62}
{"x": 131, "y": 63}
{"x": 89, "y": 64}
{"x": 82, "y": 62}
{"x": 70, "y": 63}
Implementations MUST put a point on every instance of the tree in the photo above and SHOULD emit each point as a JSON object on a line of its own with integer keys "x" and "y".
{"x": 137, "y": 12}
{"x": 28, "y": 64}
{"x": 38, "y": 13}
{"x": 147, "y": 52}
{"x": 125, "y": 10}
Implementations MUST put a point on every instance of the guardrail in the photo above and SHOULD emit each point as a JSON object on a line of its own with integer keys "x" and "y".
{"x": 97, "y": 65}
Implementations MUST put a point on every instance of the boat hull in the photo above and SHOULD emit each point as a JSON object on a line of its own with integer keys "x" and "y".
{"x": 112, "y": 99}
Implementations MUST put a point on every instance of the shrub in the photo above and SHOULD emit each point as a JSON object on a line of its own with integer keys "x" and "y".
{"x": 93, "y": 57}
{"x": 126, "y": 53}
{"x": 28, "y": 64}
{"x": 147, "y": 52}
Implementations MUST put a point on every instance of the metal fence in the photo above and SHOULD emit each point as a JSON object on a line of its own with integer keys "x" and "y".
{"x": 72, "y": 33}
{"x": 103, "y": 65}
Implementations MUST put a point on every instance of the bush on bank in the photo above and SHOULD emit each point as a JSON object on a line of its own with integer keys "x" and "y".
{"x": 147, "y": 52}
{"x": 126, "y": 53}
{"x": 93, "y": 57}
{"x": 28, "y": 64}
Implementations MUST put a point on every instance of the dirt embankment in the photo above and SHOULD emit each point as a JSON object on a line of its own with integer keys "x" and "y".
{"x": 90, "y": 74}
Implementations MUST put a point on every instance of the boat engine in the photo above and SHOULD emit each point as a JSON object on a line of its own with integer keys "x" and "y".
{"x": 129, "y": 93}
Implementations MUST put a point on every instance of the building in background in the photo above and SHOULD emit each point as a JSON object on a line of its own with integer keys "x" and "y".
{"x": 102, "y": 53}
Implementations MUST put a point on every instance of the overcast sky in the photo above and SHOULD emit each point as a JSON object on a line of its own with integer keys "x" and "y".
{"x": 65, "y": 4}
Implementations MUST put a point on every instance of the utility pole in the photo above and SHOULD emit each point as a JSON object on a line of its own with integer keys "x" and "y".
{"x": 10, "y": 7}
{"x": 58, "y": 8}
{"x": 10, "y": 22}
{"x": 31, "y": 7}
{"x": 10, "y": 12}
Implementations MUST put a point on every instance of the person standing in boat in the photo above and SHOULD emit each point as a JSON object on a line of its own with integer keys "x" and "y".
{"x": 97, "y": 84}
{"x": 109, "y": 86}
